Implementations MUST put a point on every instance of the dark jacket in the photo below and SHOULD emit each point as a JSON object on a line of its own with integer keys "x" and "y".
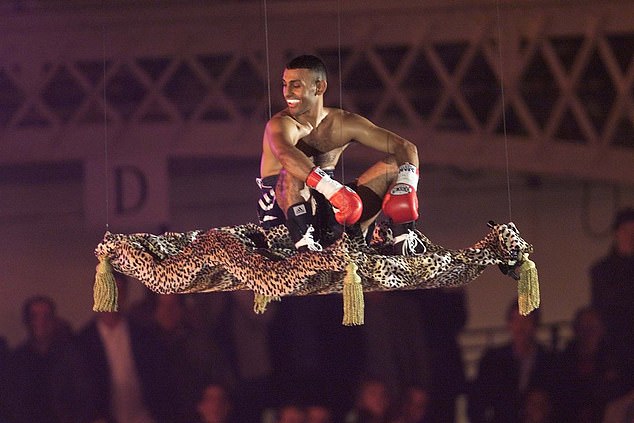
{"x": 154, "y": 371}
{"x": 495, "y": 395}
{"x": 612, "y": 280}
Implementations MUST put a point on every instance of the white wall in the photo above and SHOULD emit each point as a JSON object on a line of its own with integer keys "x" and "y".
{"x": 46, "y": 248}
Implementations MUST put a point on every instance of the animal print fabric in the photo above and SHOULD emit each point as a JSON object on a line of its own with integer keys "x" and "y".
{"x": 248, "y": 257}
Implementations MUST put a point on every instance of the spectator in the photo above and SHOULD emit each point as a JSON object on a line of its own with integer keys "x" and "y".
{"x": 215, "y": 404}
{"x": 252, "y": 354}
{"x": 313, "y": 353}
{"x": 416, "y": 407}
{"x": 507, "y": 372}
{"x": 319, "y": 413}
{"x": 620, "y": 410}
{"x": 396, "y": 345}
{"x": 372, "y": 404}
{"x": 586, "y": 371}
{"x": 291, "y": 413}
{"x": 129, "y": 367}
{"x": 612, "y": 291}
{"x": 193, "y": 353}
{"x": 445, "y": 315}
{"x": 29, "y": 375}
{"x": 4, "y": 387}
{"x": 537, "y": 407}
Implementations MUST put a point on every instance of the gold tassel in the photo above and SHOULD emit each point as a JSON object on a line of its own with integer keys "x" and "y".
{"x": 261, "y": 301}
{"x": 353, "y": 306}
{"x": 527, "y": 287}
{"x": 105, "y": 289}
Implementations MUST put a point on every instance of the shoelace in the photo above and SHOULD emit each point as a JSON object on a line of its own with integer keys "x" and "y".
{"x": 411, "y": 241}
{"x": 309, "y": 241}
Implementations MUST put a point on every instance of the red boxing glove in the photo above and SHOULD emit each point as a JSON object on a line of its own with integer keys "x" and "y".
{"x": 347, "y": 203}
{"x": 401, "y": 202}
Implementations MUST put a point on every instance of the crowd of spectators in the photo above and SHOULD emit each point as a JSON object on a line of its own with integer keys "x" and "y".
{"x": 209, "y": 358}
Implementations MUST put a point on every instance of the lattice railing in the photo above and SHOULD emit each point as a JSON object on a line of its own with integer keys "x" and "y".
{"x": 556, "y": 82}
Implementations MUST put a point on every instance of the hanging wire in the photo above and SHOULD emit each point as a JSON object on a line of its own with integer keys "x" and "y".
{"x": 105, "y": 129}
{"x": 339, "y": 54}
{"x": 506, "y": 144}
{"x": 266, "y": 50}
{"x": 343, "y": 165}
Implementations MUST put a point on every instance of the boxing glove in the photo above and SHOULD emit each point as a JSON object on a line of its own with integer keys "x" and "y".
{"x": 347, "y": 203}
{"x": 401, "y": 202}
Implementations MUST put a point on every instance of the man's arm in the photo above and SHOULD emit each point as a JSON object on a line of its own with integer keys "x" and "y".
{"x": 400, "y": 203}
{"x": 280, "y": 139}
{"x": 370, "y": 135}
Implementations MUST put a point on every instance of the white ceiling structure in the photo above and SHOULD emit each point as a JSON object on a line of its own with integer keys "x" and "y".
{"x": 542, "y": 87}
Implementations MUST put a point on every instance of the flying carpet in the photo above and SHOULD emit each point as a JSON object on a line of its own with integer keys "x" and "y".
{"x": 248, "y": 257}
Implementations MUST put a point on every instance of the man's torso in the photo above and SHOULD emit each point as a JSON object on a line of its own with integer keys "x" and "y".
{"x": 326, "y": 142}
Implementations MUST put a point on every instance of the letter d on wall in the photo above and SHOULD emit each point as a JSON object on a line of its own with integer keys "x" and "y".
{"x": 135, "y": 196}
{"x": 131, "y": 189}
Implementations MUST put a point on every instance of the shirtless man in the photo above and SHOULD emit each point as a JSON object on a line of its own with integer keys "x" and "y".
{"x": 301, "y": 146}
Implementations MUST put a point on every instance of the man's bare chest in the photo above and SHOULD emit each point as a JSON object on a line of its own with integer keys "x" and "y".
{"x": 324, "y": 151}
{"x": 313, "y": 146}
{"x": 322, "y": 139}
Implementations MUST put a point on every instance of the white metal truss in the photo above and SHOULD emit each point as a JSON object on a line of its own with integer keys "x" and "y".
{"x": 548, "y": 85}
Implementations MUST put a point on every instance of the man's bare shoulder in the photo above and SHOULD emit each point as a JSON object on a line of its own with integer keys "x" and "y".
{"x": 279, "y": 117}
{"x": 282, "y": 119}
{"x": 354, "y": 118}
{"x": 346, "y": 117}
{"x": 348, "y": 125}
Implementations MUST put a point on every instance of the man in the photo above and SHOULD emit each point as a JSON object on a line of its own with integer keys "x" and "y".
{"x": 215, "y": 404}
{"x": 4, "y": 368}
{"x": 301, "y": 146}
{"x": 612, "y": 294}
{"x": 30, "y": 377}
{"x": 132, "y": 379}
{"x": 508, "y": 372}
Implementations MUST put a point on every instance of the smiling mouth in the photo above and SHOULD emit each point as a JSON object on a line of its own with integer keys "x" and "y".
{"x": 292, "y": 102}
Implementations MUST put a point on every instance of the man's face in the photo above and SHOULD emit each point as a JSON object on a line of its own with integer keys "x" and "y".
{"x": 625, "y": 238}
{"x": 374, "y": 398}
{"x": 522, "y": 328}
{"x": 42, "y": 321}
{"x": 300, "y": 90}
{"x": 214, "y": 405}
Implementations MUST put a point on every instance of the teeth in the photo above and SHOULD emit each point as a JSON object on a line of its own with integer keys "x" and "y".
{"x": 293, "y": 101}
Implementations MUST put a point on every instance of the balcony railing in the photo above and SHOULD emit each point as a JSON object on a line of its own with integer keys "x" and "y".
{"x": 553, "y": 83}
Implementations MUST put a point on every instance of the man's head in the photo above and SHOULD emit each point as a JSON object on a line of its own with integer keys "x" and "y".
{"x": 373, "y": 396}
{"x": 523, "y": 329}
{"x": 215, "y": 403}
{"x": 624, "y": 232}
{"x": 291, "y": 413}
{"x": 417, "y": 399}
{"x": 304, "y": 83}
{"x": 40, "y": 318}
{"x": 588, "y": 327}
{"x": 310, "y": 62}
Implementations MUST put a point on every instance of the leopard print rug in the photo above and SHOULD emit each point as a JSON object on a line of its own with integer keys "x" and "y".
{"x": 247, "y": 257}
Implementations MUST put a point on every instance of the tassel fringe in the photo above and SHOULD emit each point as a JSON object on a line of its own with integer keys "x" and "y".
{"x": 528, "y": 287}
{"x": 353, "y": 305}
{"x": 261, "y": 301}
{"x": 105, "y": 289}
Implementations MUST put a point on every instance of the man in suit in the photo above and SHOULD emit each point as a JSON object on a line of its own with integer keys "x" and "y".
{"x": 507, "y": 372}
{"x": 132, "y": 380}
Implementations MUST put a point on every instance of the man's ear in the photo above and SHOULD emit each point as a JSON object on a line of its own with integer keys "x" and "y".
{"x": 320, "y": 87}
